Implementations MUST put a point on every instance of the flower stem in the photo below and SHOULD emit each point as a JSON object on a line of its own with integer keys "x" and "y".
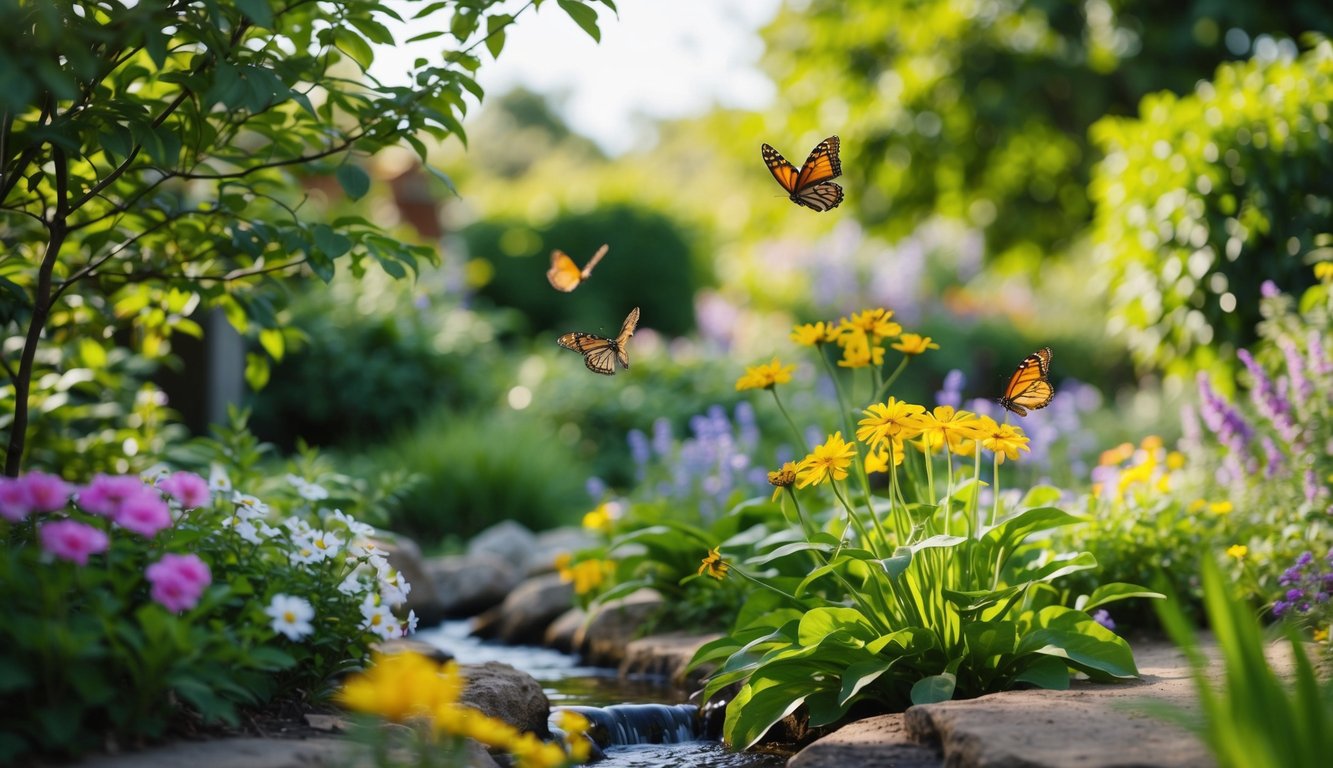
{"x": 800, "y": 438}
{"x": 884, "y": 388}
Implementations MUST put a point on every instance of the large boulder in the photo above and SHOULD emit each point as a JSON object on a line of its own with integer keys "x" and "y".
{"x": 472, "y": 583}
{"x": 558, "y": 541}
{"x": 505, "y": 693}
{"x": 602, "y": 640}
{"x": 507, "y": 540}
{"x": 524, "y": 615}
{"x": 560, "y": 634}
{"x": 666, "y": 656}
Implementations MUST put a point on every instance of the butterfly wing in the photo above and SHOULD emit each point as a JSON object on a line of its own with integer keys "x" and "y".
{"x": 599, "y": 354}
{"x": 822, "y": 164}
{"x": 626, "y": 331}
{"x": 596, "y": 257}
{"x": 785, "y": 173}
{"x": 1030, "y": 388}
{"x": 820, "y": 197}
{"x": 564, "y": 275}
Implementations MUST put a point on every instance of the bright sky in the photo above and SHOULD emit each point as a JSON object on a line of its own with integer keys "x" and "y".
{"x": 659, "y": 59}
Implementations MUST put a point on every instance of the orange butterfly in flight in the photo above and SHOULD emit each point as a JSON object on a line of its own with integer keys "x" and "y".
{"x": 809, "y": 186}
{"x": 600, "y": 354}
{"x": 1029, "y": 388}
{"x": 565, "y": 275}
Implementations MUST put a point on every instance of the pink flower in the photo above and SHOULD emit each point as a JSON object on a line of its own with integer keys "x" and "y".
{"x": 188, "y": 488}
{"x": 15, "y": 500}
{"x": 105, "y": 493}
{"x": 178, "y": 581}
{"x": 145, "y": 513}
{"x": 72, "y": 541}
{"x": 46, "y": 493}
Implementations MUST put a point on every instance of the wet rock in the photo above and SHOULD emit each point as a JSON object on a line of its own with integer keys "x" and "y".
{"x": 666, "y": 656}
{"x": 405, "y": 557}
{"x": 502, "y": 692}
{"x": 408, "y": 645}
{"x": 526, "y": 613}
{"x": 560, "y": 634}
{"x": 470, "y": 584}
{"x": 876, "y": 742}
{"x": 603, "y": 638}
{"x": 507, "y": 540}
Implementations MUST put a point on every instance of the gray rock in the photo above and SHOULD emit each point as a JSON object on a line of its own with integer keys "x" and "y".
{"x": 666, "y": 656}
{"x": 240, "y": 753}
{"x": 876, "y": 742}
{"x": 470, "y": 584}
{"x": 560, "y": 634}
{"x": 526, "y": 613}
{"x": 603, "y": 638}
{"x": 505, "y": 693}
{"x": 409, "y": 645}
{"x": 555, "y": 542}
{"x": 507, "y": 540}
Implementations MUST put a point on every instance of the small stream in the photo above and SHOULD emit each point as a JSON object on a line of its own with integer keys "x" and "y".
{"x": 625, "y": 713}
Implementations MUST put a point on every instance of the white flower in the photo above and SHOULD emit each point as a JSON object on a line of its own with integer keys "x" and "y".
{"x": 379, "y": 618}
{"x": 358, "y": 529}
{"x": 295, "y": 480}
{"x": 297, "y": 526}
{"x": 304, "y": 551}
{"x": 218, "y": 482}
{"x": 367, "y": 548}
{"x": 248, "y": 507}
{"x": 410, "y": 625}
{"x": 306, "y": 489}
{"x": 155, "y": 474}
{"x": 394, "y": 591}
{"x": 352, "y": 585}
{"x": 291, "y": 616}
{"x": 326, "y": 542}
{"x": 246, "y": 530}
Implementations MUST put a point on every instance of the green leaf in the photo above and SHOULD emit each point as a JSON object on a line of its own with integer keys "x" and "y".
{"x": 444, "y": 177}
{"x": 271, "y": 340}
{"x": 859, "y": 675}
{"x": 256, "y": 370}
{"x": 331, "y": 243}
{"x": 940, "y": 540}
{"x": 584, "y": 16}
{"x": 896, "y": 565}
{"x": 818, "y": 623}
{"x": 934, "y": 689}
{"x": 13, "y": 674}
{"x": 1046, "y": 672}
{"x": 257, "y": 11}
{"x": 1109, "y": 593}
{"x": 495, "y": 32}
{"x": 354, "y": 180}
{"x": 354, "y": 46}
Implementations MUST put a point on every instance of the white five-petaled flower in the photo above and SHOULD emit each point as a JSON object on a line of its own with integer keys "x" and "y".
{"x": 248, "y": 507}
{"x": 306, "y": 489}
{"x": 410, "y": 625}
{"x": 352, "y": 585}
{"x": 218, "y": 482}
{"x": 291, "y": 616}
{"x": 358, "y": 529}
{"x": 379, "y": 618}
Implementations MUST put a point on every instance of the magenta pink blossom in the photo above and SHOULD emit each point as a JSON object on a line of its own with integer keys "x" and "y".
{"x": 72, "y": 541}
{"x": 15, "y": 500}
{"x": 145, "y": 513}
{"x": 105, "y": 494}
{"x": 46, "y": 493}
{"x": 187, "y": 488}
{"x": 178, "y": 581}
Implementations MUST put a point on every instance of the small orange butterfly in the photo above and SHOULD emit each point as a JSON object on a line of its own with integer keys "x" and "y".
{"x": 809, "y": 186}
{"x": 565, "y": 275}
{"x": 1029, "y": 388}
{"x": 600, "y": 354}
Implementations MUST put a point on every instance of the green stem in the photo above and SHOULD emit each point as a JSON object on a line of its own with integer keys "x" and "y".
{"x": 884, "y": 388}
{"x": 800, "y": 438}
{"x": 855, "y": 521}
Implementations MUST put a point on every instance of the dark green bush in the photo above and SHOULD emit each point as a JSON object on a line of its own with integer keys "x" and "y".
{"x": 1204, "y": 197}
{"x": 648, "y": 266}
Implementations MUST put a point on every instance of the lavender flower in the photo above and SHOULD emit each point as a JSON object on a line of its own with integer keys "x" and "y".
{"x": 952, "y": 392}
{"x": 1300, "y": 383}
{"x": 1320, "y": 363}
{"x": 1101, "y": 616}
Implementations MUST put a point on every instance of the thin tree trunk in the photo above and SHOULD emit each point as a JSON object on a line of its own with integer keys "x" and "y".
{"x": 58, "y": 227}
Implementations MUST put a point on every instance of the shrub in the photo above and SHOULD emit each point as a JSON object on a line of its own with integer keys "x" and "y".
{"x": 1203, "y": 197}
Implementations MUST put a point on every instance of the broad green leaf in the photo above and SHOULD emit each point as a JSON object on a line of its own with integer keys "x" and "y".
{"x": 1046, "y": 672}
{"x": 896, "y": 565}
{"x": 256, "y": 370}
{"x": 495, "y": 32}
{"x": 783, "y": 551}
{"x": 859, "y": 675}
{"x": 821, "y": 622}
{"x": 257, "y": 11}
{"x": 271, "y": 339}
{"x": 354, "y": 180}
{"x": 92, "y": 354}
{"x": 1083, "y": 561}
{"x": 354, "y": 46}
{"x": 934, "y": 689}
{"x": 940, "y": 540}
{"x": 584, "y": 16}
{"x": 1109, "y": 593}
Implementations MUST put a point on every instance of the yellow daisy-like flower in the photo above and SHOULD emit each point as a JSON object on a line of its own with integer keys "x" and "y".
{"x": 878, "y": 460}
{"x": 1221, "y": 508}
{"x": 586, "y": 575}
{"x": 765, "y": 376}
{"x": 1238, "y": 551}
{"x": 892, "y": 420}
{"x": 829, "y": 460}
{"x": 576, "y": 728}
{"x": 714, "y": 565}
{"x": 1324, "y": 271}
{"x": 782, "y": 478}
{"x": 814, "y": 334}
{"x": 1004, "y": 440}
{"x": 600, "y": 519}
{"x": 1321, "y": 635}
{"x": 401, "y": 686}
{"x": 857, "y": 351}
{"x": 945, "y": 426}
{"x": 1175, "y": 460}
{"x": 914, "y": 344}
{"x": 876, "y": 323}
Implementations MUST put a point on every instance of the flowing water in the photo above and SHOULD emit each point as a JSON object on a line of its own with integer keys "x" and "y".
{"x": 643, "y": 723}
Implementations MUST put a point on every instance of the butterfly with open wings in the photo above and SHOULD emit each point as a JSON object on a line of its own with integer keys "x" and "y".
{"x": 564, "y": 275}
{"x": 600, "y": 354}
{"x": 810, "y": 186}
{"x": 1030, "y": 386}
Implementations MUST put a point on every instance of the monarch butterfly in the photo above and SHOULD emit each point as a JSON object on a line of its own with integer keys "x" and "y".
{"x": 1029, "y": 389}
{"x": 565, "y": 275}
{"x": 600, "y": 354}
{"x": 810, "y": 186}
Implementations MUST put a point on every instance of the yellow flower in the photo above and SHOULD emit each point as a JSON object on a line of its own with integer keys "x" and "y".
{"x": 1238, "y": 551}
{"x": 1175, "y": 460}
{"x": 1321, "y": 634}
{"x": 914, "y": 344}
{"x": 1324, "y": 271}
{"x": 946, "y": 427}
{"x": 813, "y": 334}
{"x": 587, "y": 575}
{"x": 782, "y": 478}
{"x": 576, "y": 728}
{"x": 892, "y": 420}
{"x": 829, "y": 460}
{"x": 1117, "y": 455}
{"x": 402, "y": 686}
{"x": 1221, "y": 508}
{"x": 714, "y": 565}
{"x": 599, "y": 519}
{"x": 857, "y": 352}
{"x": 1197, "y": 506}
{"x": 765, "y": 376}
{"x": 875, "y": 323}
{"x": 878, "y": 460}
{"x": 1004, "y": 440}
{"x": 1151, "y": 443}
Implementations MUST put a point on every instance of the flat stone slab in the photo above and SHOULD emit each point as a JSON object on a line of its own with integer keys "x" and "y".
{"x": 876, "y": 742}
{"x": 237, "y": 753}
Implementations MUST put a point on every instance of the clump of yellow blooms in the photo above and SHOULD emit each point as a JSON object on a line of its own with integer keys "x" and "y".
{"x": 586, "y": 575}
{"x": 408, "y": 688}
{"x": 765, "y": 376}
{"x": 1148, "y": 470}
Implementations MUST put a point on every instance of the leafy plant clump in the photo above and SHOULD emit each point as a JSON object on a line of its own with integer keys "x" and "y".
{"x": 917, "y": 581}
